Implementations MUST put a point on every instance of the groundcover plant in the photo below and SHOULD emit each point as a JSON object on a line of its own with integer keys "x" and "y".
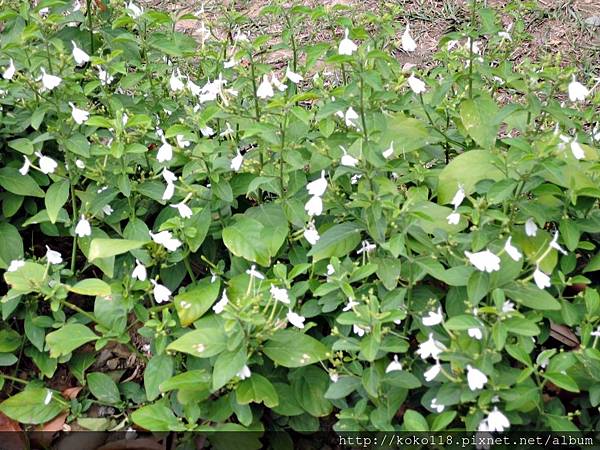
{"x": 193, "y": 237}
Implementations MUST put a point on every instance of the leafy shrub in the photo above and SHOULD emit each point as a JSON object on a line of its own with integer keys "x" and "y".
{"x": 340, "y": 242}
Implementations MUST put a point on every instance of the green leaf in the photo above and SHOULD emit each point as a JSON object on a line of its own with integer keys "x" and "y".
{"x": 91, "y": 286}
{"x": 407, "y": 133}
{"x": 291, "y": 348}
{"x": 462, "y": 322}
{"x": 28, "y": 278}
{"x": 442, "y": 420}
{"x": 562, "y": 380}
{"x": 245, "y": 239}
{"x": 343, "y": 387}
{"x": 531, "y": 296}
{"x": 69, "y": 337}
{"x": 209, "y": 340}
{"x": 339, "y": 240}
{"x": 11, "y": 244}
{"x": 520, "y": 326}
{"x": 478, "y": 286}
{"x": 467, "y": 169}
{"x": 479, "y": 119}
{"x": 56, "y": 196}
{"x": 103, "y": 388}
{"x": 104, "y": 248}
{"x": 22, "y": 145}
{"x": 201, "y": 223}
{"x": 309, "y": 385}
{"x": 403, "y": 379}
{"x": 227, "y": 365}
{"x": 191, "y": 380}
{"x": 157, "y": 417}
{"x": 257, "y": 389}
{"x": 159, "y": 369}
{"x": 10, "y": 340}
{"x": 413, "y": 421}
{"x": 13, "y": 181}
{"x": 30, "y": 406}
{"x": 196, "y": 300}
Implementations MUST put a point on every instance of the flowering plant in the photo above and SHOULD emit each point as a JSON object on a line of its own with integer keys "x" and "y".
{"x": 342, "y": 240}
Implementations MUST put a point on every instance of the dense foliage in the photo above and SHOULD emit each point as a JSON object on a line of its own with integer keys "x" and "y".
{"x": 339, "y": 241}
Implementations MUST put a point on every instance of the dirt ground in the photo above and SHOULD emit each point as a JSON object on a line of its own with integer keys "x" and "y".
{"x": 571, "y": 27}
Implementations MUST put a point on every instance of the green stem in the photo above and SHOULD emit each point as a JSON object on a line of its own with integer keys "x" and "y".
{"x": 90, "y": 23}
{"x": 15, "y": 379}
{"x": 362, "y": 109}
{"x": 74, "y": 207}
{"x": 78, "y": 309}
{"x": 188, "y": 266}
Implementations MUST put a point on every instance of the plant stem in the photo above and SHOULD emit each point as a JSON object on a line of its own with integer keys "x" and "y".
{"x": 74, "y": 207}
{"x": 188, "y": 266}
{"x": 90, "y": 23}
{"x": 15, "y": 379}
{"x": 78, "y": 309}
{"x": 362, "y": 109}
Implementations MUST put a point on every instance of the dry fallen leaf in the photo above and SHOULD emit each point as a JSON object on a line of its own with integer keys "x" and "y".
{"x": 72, "y": 392}
{"x": 15, "y": 440}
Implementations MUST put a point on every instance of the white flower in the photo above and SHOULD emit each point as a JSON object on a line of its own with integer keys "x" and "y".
{"x": 333, "y": 376}
{"x": 295, "y": 319}
{"x": 596, "y": 333}
{"x": 458, "y": 198}
{"x": 453, "y": 218}
{"x": 79, "y": 55}
{"x": 433, "y": 318}
{"x": 169, "y": 191}
{"x": 265, "y": 89}
{"x": 508, "y": 306}
{"x": 318, "y": 186}
{"x": 26, "y": 164}
{"x": 165, "y": 152}
{"x": 176, "y": 81}
{"x": 451, "y": 44}
{"x": 408, "y": 43}
{"x": 236, "y": 162}
{"x": 505, "y": 35}
{"x": 475, "y": 333}
{"x": 311, "y": 234}
{"x": 193, "y": 87}
{"x": 496, "y": 421}
{"x": 389, "y": 151}
{"x": 48, "y": 398}
{"x": 366, "y": 247}
{"x": 475, "y": 47}
{"x": 511, "y": 250}
{"x": 15, "y": 265}
{"x": 347, "y": 47}
{"x": 228, "y": 130}
{"x": 9, "y": 72}
{"x": 79, "y": 164}
{"x": 108, "y": 210}
{"x": 416, "y": 85}
{"x": 53, "y": 256}
{"x": 139, "y": 272}
{"x": 348, "y": 160}
{"x": 430, "y": 347}
{"x": 358, "y": 330}
{"x": 166, "y": 239}
{"x": 183, "y": 210}
{"x": 433, "y": 371}
{"x": 182, "y": 142}
{"x": 331, "y": 271}
{"x": 104, "y": 77}
{"x": 221, "y": 304}
{"x": 49, "y": 82}
{"x": 476, "y": 378}
{"x": 351, "y": 304}
{"x": 292, "y": 76}
{"x": 530, "y": 227}
{"x": 133, "y": 10}
{"x": 394, "y": 366}
{"x": 244, "y": 373}
{"x": 435, "y": 405}
{"x": 278, "y": 84}
{"x": 280, "y": 294}
{"x": 231, "y": 63}
{"x": 207, "y": 131}
{"x": 79, "y": 115}
{"x": 541, "y": 279}
{"x": 577, "y": 150}
{"x": 256, "y": 274}
{"x": 161, "y": 293}
{"x": 350, "y": 116}
{"x": 47, "y": 164}
{"x": 577, "y": 91}
{"x": 83, "y": 227}
{"x": 484, "y": 261}
{"x": 168, "y": 176}
{"x": 554, "y": 244}
{"x": 314, "y": 206}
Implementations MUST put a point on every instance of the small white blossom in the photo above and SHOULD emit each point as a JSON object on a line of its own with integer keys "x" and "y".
{"x": 176, "y": 81}
{"x": 79, "y": 55}
{"x": 314, "y": 206}
{"x": 389, "y": 152}
{"x": 83, "y": 227}
{"x": 453, "y": 218}
{"x": 347, "y": 47}
{"x": 433, "y": 318}
{"x": 79, "y": 164}
{"x": 318, "y": 186}
{"x": 496, "y": 421}
{"x": 577, "y": 91}
{"x": 459, "y": 196}
{"x": 9, "y": 72}
{"x": 256, "y": 274}
{"x": 49, "y": 82}
{"x": 278, "y": 84}
{"x": 79, "y": 115}
{"x": 183, "y": 210}
{"x": 236, "y": 162}
{"x": 26, "y": 164}
{"x": 541, "y": 279}
{"x": 166, "y": 239}
{"x": 139, "y": 272}
{"x": 394, "y": 366}
{"x": 351, "y": 304}
{"x": 476, "y": 378}
{"x": 311, "y": 234}
{"x": 358, "y": 330}
{"x": 265, "y": 89}
{"x": 292, "y": 76}
{"x": 165, "y": 152}
{"x": 530, "y": 227}
{"x": 475, "y": 333}
{"x": 104, "y": 77}
{"x": 169, "y": 191}
{"x": 295, "y": 319}
{"x": 350, "y": 116}
{"x": 161, "y": 293}
{"x": 244, "y": 373}
{"x": 430, "y": 347}
{"x": 53, "y": 256}
{"x": 432, "y": 372}
{"x": 437, "y": 406}
{"x": 484, "y": 261}
{"x": 416, "y": 85}
{"x": 511, "y": 250}
{"x": 181, "y": 141}
{"x": 508, "y": 306}
{"x": 280, "y": 294}
{"x": 168, "y": 176}
{"x": 555, "y": 245}
{"x": 333, "y": 376}
{"x": 408, "y": 43}
{"x": 330, "y": 269}
{"x": 577, "y": 150}
{"x": 228, "y": 130}
{"x": 221, "y": 304}
{"x": 15, "y": 265}
{"x": 133, "y": 10}
{"x": 47, "y": 164}
{"x": 348, "y": 160}
{"x": 366, "y": 247}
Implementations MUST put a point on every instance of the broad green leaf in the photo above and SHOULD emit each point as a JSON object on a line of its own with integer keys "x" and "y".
{"x": 562, "y": 380}
{"x": 32, "y": 406}
{"x": 91, "y": 286}
{"x": 245, "y": 238}
{"x": 201, "y": 223}
{"x": 309, "y": 385}
{"x": 11, "y": 244}
{"x": 343, "y": 387}
{"x": 103, "y": 388}
{"x": 67, "y": 338}
{"x": 13, "y": 181}
{"x": 479, "y": 119}
{"x": 403, "y": 379}
{"x": 22, "y": 145}
{"x": 339, "y": 240}
{"x": 407, "y": 133}
{"x": 157, "y": 417}
{"x": 56, "y": 196}
{"x": 104, "y": 248}
{"x": 191, "y": 380}
{"x": 531, "y": 296}
{"x": 442, "y": 420}
{"x": 414, "y": 421}
{"x": 28, "y": 278}
{"x": 227, "y": 365}
{"x": 10, "y": 340}
{"x": 209, "y": 340}
{"x": 196, "y": 300}
{"x": 158, "y": 370}
{"x": 462, "y": 322}
{"x": 257, "y": 389}
{"x": 521, "y": 326}
{"x": 291, "y": 348}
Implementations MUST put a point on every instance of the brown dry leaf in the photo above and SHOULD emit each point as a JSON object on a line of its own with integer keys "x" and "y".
{"x": 72, "y": 392}
{"x": 564, "y": 334}
{"x": 47, "y": 430}
{"x": 133, "y": 444}
{"x": 11, "y": 441}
